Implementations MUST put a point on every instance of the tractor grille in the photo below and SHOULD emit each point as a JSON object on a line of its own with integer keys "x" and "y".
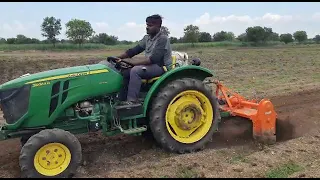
{"x": 55, "y": 94}
{"x": 14, "y": 103}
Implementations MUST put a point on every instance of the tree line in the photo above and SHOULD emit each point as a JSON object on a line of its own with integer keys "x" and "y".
{"x": 80, "y": 32}
{"x": 255, "y": 34}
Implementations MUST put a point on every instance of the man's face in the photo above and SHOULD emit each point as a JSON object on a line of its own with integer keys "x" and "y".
{"x": 152, "y": 28}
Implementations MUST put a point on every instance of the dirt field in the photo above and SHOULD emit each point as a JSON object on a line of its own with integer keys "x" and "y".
{"x": 289, "y": 77}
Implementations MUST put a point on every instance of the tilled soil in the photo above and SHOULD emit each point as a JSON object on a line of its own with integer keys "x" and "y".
{"x": 233, "y": 153}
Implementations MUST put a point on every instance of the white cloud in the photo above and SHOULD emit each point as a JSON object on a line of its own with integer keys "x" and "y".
{"x": 316, "y": 16}
{"x": 176, "y": 29}
{"x": 131, "y": 31}
{"x": 238, "y": 23}
{"x": 29, "y": 29}
{"x": 101, "y": 27}
{"x": 205, "y": 19}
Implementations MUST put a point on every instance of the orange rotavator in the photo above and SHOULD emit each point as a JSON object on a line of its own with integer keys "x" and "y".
{"x": 262, "y": 114}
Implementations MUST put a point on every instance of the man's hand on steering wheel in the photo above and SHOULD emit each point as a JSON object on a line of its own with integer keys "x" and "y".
{"x": 126, "y": 64}
{"x": 122, "y": 63}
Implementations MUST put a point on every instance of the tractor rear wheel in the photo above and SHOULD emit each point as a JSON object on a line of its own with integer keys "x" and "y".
{"x": 50, "y": 153}
{"x": 184, "y": 116}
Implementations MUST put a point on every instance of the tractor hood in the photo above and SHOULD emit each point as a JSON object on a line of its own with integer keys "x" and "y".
{"x": 43, "y": 76}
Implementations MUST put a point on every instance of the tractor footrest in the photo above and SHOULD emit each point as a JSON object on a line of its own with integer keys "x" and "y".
{"x": 129, "y": 110}
{"x": 135, "y": 130}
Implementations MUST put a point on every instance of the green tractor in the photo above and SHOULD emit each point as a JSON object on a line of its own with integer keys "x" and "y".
{"x": 47, "y": 109}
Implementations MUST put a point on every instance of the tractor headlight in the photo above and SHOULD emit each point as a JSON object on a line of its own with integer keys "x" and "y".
{"x": 14, "y": 103}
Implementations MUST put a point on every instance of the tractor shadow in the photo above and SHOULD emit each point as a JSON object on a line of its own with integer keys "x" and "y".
{"x": 103, "y": 154}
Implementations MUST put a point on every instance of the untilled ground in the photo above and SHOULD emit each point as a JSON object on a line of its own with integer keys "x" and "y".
{"x": 232, "y": 153}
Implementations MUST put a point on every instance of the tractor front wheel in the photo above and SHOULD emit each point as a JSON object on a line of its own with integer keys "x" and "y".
{"x": 50, "y": 153}
{"x": 184, "y": 116}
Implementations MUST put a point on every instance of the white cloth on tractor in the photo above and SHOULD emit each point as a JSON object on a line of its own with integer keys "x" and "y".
{"x": 181, "y": 58}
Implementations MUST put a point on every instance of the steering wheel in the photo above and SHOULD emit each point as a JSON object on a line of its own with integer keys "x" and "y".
{"x": 118, "y": 62}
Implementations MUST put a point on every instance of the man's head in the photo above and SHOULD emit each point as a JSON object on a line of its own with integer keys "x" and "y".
{"x": 154, "y": 23}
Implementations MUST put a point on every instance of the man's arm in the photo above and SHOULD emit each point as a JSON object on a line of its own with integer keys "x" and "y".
{"x": 157, "y": 53}
{"x": 135, "y": 50}
{"x": 132, "y": 52}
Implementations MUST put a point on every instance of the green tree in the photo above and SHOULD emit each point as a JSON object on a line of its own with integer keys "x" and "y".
{"x": 300, "y": 36}
{"x": 258, "y": 34}
{"x": 274, "y": 37}
{"x": 181, "y": 40}
{"x": 243, "y": 37}
{"x": 165, "y": 30}
{"x": 11, "y": 40}
{"x": 79, "y": 30}
{"x": 223, "y": 36}
{"x": 317, "y": 39}
{"x": 268, "y": 34}
{"x": 3, "y": 40}
{"x": 191, "y": 34}
{"x": 50, "y": 28}
{"x": 286, "y": 38}
{"x": 230, "y": 36}
{"x": 205, "y": 37}
{"x": 34, "y": 41}
{"x": 21, "y": 39}
{"x": 104, "y": 38}
{"x": 125, "y": 42}
{"x": 173, "y": 40}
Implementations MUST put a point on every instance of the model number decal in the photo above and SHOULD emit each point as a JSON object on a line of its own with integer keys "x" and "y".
{"x": 78, "y": 74}
{"x": 40, "y": 84}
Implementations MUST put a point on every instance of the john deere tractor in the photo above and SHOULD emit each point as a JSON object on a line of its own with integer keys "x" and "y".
{"x": 47, "y": 109}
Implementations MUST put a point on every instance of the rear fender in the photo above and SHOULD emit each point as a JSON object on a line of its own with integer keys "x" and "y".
{"x": 190, "y": 71}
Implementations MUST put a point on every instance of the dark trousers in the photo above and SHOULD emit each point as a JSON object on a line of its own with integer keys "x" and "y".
{"x": 132, "y": 80}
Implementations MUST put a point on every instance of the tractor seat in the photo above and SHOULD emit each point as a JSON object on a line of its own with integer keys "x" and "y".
{"x": 147, "y": 81}
{"x": 173, "y": 65}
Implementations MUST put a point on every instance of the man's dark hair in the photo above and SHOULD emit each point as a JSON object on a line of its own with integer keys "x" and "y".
{"x": 154, "y": 19}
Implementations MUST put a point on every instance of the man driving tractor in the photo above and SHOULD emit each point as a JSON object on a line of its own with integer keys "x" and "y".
{"x": 158, "y": 53}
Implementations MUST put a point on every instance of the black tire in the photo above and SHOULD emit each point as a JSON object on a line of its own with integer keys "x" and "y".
{"x": 158, "y": 113}
{"x": 23, "y": 140}
{"x": 148, "y": 135}
{"x": 42, "y": 138}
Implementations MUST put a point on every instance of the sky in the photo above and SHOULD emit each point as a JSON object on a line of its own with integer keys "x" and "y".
{"x": 126, "y": 20}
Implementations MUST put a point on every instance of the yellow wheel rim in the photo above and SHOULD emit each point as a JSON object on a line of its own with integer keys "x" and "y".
{"x": 52, "y": 159}
{"x": 189, "y": 116}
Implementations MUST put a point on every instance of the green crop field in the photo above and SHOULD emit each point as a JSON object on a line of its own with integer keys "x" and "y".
{"x": 95, "y": 46}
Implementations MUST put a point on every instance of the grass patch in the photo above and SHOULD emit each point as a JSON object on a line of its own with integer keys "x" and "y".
{"x": 284, "y": 171}
{"x": 95, "y": 46}
{"x": 222, "y": 152}
{"x": 58, "y": 47}
{"x": 176, "y": 46}
{"x": 165, "y": 176}
{"x": 238, "y": 158}
{"x": 186, "y": 172}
